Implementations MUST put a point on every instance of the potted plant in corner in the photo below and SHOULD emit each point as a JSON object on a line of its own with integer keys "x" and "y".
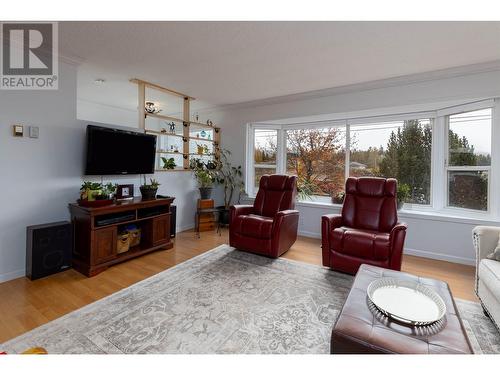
{"x": 204, "y": 175}
{"x": 403, "y": 194}
{"x": 305, "y": 189}
{"x": 231, "y": 179}
{"x": 338, "y": 198}
{"x": 148, "y": 191}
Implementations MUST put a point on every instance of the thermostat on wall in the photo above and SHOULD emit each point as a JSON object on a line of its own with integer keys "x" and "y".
{"x": 34, "y": 131}
{"x": 18, "y": 130}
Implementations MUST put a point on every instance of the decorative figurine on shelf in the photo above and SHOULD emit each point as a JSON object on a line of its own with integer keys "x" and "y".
{"x": 172, "y": 127}
{"x": 196, "y": 117}
{"x": 172, "y": 148}
{"x": 150, "y": 107}
{"x": 209, "y": 137}
{"x": 163, "y": 130}
{"x": 203, "y": 133}
{"x": 202, "y": 149}
{"x": 168, "y": 163}
{"x": 176, "y": 148}
{"x": 210, "y": 123}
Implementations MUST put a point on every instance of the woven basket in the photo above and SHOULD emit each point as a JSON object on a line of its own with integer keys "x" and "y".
{"x": 123, "y": 243}
{"x": 135, "y": 236}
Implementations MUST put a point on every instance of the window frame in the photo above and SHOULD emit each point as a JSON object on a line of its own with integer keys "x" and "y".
{"x": 464, "y": 168}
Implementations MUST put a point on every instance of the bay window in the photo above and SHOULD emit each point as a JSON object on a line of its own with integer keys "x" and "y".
{"x": 441, "y": 158}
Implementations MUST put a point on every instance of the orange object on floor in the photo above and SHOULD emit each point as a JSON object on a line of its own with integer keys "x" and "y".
{"x": 35, "y": 350}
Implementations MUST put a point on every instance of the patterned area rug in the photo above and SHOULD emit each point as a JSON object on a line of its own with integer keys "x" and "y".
{"x": 223, "y": 301}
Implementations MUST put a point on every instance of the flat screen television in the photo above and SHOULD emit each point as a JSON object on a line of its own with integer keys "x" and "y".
{"x": 113, "y": 151}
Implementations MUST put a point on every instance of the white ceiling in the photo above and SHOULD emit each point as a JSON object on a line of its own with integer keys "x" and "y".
{"x": 232, "y": 62}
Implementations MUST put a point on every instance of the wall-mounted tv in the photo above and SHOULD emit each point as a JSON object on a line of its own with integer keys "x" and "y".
{"x": 113, "y": 151}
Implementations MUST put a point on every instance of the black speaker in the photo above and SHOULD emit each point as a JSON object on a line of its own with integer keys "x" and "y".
{"x": 48, "y": 249}
{"x": 173, "y": 219}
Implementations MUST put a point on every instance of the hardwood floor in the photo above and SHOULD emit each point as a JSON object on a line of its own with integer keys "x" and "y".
{"x": 26, "y": 304}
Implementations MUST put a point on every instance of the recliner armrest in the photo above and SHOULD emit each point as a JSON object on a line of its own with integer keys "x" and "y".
{"x": 241, "y": 209}
{"x": 398, "y": 233}
{"x": 398, "y": 227}
{"x": 328, "y": 223}
{"x": 238, "y": 210}
{"x": 331, "y": 221}
{"x": 286, "y": 213}
{"x": 283, "y": 216}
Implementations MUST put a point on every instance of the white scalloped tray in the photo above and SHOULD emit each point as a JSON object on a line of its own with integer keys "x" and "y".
{"x": 406, "y": 301}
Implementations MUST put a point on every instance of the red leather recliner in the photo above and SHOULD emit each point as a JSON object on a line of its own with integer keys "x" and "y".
{"x": 269, "y": 227}
{"x": 367, "y": 231}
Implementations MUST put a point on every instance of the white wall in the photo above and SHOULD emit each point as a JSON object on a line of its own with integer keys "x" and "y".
{"x": 99, "y": 112}
{"x": 436, "y": 237}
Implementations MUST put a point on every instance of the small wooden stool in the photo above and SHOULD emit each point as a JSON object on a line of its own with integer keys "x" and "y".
{"x": 206, "y": 217}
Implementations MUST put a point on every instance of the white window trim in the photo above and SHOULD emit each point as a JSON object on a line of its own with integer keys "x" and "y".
{"x": 439, "y": 169}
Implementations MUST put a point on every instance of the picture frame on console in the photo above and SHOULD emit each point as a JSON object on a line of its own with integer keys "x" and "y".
{"x": 125, "y": 192}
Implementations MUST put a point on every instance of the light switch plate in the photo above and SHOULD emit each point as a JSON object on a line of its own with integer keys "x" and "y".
{"x": 34, "y": 131}
{"x": 17, "y": 130}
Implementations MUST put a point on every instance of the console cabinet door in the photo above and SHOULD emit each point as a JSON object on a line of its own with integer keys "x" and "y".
{"x": 161, "y": 230}
{"x": 104, "y": 245}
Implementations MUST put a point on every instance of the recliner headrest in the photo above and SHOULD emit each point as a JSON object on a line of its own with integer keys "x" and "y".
{"x": 277, "y": 182}
{"x": 371, "y": 186}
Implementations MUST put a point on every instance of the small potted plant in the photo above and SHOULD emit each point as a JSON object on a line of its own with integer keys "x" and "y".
{"x": 231, "y": 178}
{"x": 305, "y": 189}
{"x": 168, "y": 163}
{"x": 90, "y": 190}
{"x": 403, "y": 194}
{"x": 148, "y": 191}
{"x": 109, "y": 190}
{"x": 338, "y": 198}
{"x": 95, "y": 194}
{"x": 205, "y": 177}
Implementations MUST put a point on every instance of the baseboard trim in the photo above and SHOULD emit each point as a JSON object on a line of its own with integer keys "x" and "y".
{"x": 184, "y": 228}
{"x": 414, "y": 252}
{"x": 12, "y": 275}
{"x": 437, "y": 256}
{"x": 309, "y": 234}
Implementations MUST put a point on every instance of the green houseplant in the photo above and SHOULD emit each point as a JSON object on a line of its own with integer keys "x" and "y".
{"x": 231, "y": 178}
{"x": 404, "y": 191}
{"x": 305, "y": 189}
{"x": 108, "y": 190}
{"x": 205, "y": 176}
{"x": 168, "y": 163}
{"x": 148, "y": 191}
{"x": 90, "y": 190}
{"x": 338, "y": 198}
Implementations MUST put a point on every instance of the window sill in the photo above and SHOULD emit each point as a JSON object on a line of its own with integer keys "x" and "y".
{"x": 424, "y": 213}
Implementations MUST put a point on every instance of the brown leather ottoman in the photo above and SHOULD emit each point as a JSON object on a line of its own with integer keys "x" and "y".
{"x": 361, "y": 328}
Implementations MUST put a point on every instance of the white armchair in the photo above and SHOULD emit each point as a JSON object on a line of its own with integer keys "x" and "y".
{"x": 487, "y": 271}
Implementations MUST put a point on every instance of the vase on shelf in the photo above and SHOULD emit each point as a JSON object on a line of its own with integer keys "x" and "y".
{"x": 205, "y": 192}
